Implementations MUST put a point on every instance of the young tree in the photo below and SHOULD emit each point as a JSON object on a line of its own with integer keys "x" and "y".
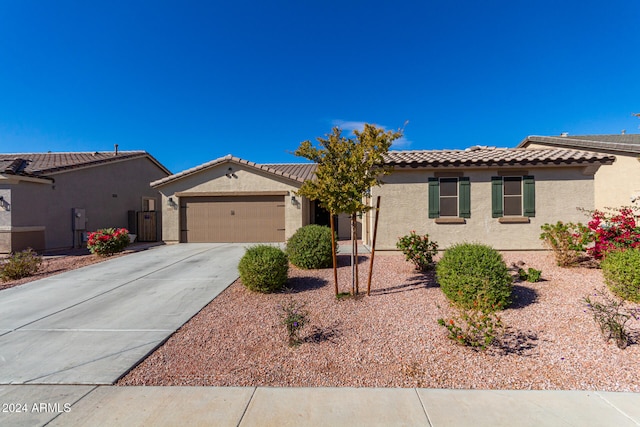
{"x": 347, "y": 169}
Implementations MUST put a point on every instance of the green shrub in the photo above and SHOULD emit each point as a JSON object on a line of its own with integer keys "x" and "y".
{"x": 264, "y": 268}
{"x": 310, "y": 247}
{"x": 108, "y": 241}
{"x": 566, "y": 240}
{"x": 418, "y": 249}
{"x": 19, "y": 265}
{"x": 531, "y": 275}
{"x": 471, "y": 273}
{"x": 621, "y": 271}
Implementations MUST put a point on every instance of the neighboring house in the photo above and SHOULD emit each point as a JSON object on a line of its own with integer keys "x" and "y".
{"x": 51, "y": 200}
{"x": 499, "y": 197}
{"x": 617, "y": 184}
{"x": 234, "y": 200}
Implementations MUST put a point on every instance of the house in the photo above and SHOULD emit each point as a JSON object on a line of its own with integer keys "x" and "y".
{"x": 495, "y": 196}
{"x": 617, "y": 184}
{"x": 234, "y": 200}
{"x": 51, "y": 200}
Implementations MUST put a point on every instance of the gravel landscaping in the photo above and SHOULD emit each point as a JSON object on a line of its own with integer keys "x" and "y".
{"x": 392, "y": 339}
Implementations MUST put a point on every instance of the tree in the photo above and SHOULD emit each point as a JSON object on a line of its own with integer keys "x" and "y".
{"x": 347, "y": 170}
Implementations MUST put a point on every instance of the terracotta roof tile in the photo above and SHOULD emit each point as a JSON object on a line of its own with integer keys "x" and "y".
{"x": 488, "y": 156}
{"x": 42, "y": 164}
{"x": 296, "y": 172}
{"x": 625, "y": 143}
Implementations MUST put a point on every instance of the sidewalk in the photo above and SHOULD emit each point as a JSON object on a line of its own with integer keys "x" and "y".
{"x": 83, "y": 405}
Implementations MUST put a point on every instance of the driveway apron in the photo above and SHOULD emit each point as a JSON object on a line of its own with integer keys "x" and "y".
{"x": 91, "y": 325}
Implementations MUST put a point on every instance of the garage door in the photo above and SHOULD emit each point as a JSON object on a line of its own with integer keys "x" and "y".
{"x": 233, "y": 219}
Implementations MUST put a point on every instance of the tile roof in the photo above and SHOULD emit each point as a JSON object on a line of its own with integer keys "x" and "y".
{"x": 42, "y": 164}
{"x": 495, "y": 157}
{"x": 626, "y": 143}
{"x": 298, "y": 172}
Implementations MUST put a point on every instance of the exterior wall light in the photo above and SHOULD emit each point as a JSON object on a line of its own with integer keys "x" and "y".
{"x": 294, "y": 201}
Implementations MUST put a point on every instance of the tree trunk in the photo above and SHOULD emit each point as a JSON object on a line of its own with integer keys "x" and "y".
{"x": 333, "y": 250}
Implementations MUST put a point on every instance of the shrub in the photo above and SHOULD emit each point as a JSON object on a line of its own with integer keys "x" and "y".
{"x": 294, "y": 317}
{"x": 621, "y": 271}
{"x": 616, "y": 229}
{"x": 566, "y": 240}
{"x": 470, "y": 274}
{"x": 611, "y": 317}
{"x": 531, "y": 275}
{"x": 475, "y": 327}
{"x": 19, "y": 265}
{"x": 264, "y": 268}
{"x": 108, "y": 241}
{"x": 418, "y": 249}
{"x": 310, "y": 247}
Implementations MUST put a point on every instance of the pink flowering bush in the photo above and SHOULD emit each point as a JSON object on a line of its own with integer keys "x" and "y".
{"x": 108, "y": 241}
{"x": 613, "y": 231}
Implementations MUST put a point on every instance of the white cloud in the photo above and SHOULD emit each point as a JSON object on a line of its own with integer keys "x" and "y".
{"x": 349, "y": 126}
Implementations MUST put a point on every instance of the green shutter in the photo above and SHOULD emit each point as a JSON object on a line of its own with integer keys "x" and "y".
{"x": 434, "y": 198}
{"x": 496, "y": 197}
{"x": 464, "y": 197}
{"x": 528, "y": 196}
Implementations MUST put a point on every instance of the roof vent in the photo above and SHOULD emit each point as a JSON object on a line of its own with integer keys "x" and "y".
{"x": 623, "y": 131}
{"x": 564, "y": 134}
{"x": 116, "y": 149}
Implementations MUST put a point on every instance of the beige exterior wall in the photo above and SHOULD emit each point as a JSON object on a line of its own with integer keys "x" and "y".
{"x": 404, "y": 207}
{"x": 615, "y": 184}
{"x": 106, "y": 192}
{"x": 244, "y": 179}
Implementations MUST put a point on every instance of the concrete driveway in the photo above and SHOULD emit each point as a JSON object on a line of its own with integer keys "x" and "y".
{"x": 91, "y": 325}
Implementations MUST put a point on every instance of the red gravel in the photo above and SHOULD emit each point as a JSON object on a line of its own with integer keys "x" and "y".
{"x": 392, "y": 339}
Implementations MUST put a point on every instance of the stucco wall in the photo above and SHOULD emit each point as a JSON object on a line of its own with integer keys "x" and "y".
{"x": 615, "y": 184}
{"x": 215, "y": 180}
{"x": 107, "y": 192}
{"x": 404, "y": 207}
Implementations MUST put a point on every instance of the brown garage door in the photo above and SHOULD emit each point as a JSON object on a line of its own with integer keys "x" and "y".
{"x": 233, "y": 219}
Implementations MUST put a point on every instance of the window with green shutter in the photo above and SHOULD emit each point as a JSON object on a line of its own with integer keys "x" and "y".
{"x": 513, "y": 196}
{"x": 449, "y": 197}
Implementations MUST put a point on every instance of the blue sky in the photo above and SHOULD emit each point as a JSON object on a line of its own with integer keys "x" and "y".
{"x": 191, "y": 81}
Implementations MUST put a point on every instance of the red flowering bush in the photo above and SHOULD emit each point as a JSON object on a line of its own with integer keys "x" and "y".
{"x": 108, "y": 241}
{"x": 418, "y": 249}
{"x": 611, "y": 231}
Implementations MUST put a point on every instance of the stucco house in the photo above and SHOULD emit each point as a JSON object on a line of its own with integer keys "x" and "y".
{"x": 617, "y": 184}
{"x": 51, "y": 200}
{"x": 497, "y": 196}
{"x": 235, "y": 200}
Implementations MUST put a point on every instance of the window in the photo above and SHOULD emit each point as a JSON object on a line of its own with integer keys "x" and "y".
{"x": 513, "y": 196}
{"x": 148, "y": 204}
{"x": 449, "y": 197}
{"x": 512, "y": 193}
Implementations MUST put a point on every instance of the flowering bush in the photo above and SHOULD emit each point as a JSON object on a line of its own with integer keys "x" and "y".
{"x": 418, "y": 249}
{"x": 476, "y": 327}
{"x": 108, "y": 241}
{"x": 610, "y": 231}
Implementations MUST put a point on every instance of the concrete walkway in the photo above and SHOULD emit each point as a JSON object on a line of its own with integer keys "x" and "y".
{"x": 91, "y": 325}
{"x": 65, "y": 405}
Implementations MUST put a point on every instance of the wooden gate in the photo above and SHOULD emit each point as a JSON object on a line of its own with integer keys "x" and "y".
{"x": 147, "y": 226}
